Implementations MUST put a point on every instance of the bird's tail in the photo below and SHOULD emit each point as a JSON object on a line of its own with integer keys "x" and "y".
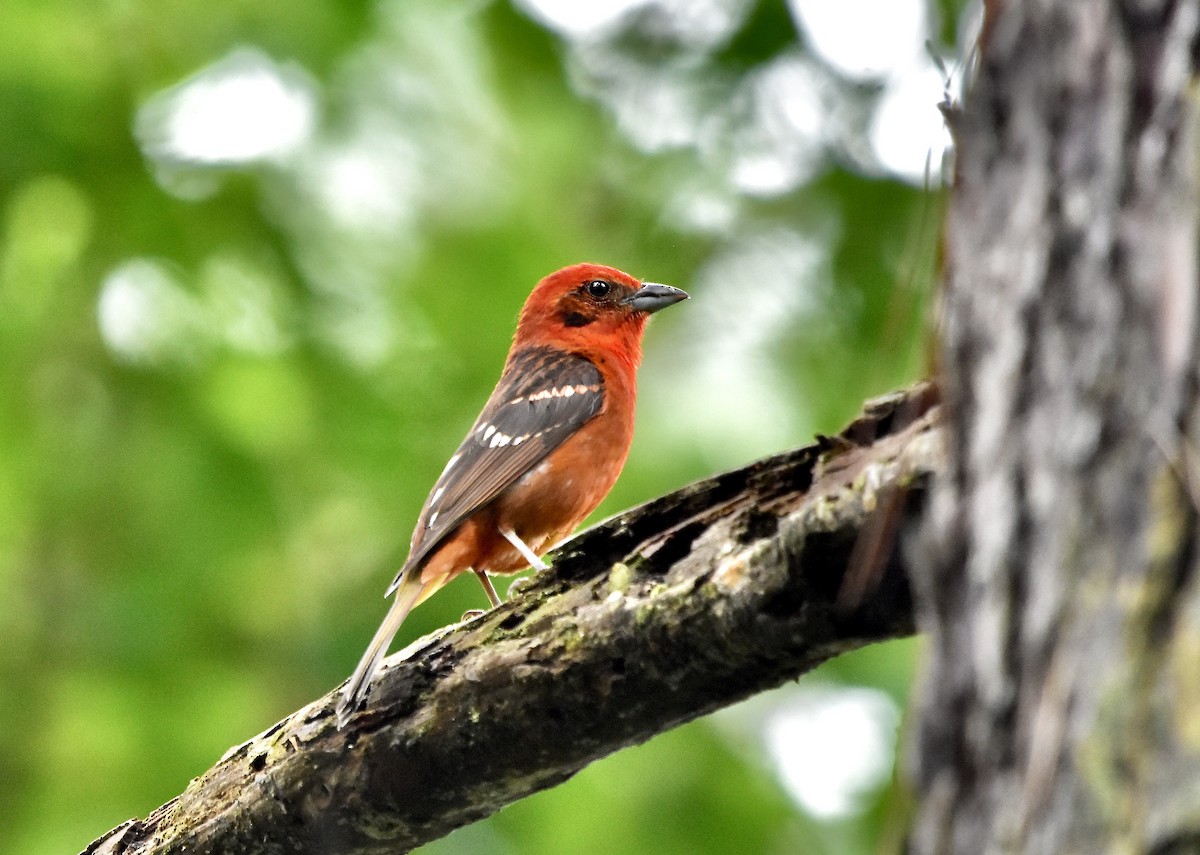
{"x": 408, "y": 594}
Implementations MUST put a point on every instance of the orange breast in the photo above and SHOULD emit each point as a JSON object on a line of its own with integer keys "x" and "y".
{"x": 549, "y": 501}
{"x": 544, "y": 505}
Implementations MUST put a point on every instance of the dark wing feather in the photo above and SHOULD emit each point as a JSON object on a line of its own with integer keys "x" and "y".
{"x": 530, "y": 413}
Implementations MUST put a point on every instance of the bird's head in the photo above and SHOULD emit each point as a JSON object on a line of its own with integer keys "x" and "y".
{"x": 590, "y": 307}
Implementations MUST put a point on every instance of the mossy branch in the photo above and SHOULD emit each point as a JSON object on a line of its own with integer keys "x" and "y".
{"x": 689, "y": 603}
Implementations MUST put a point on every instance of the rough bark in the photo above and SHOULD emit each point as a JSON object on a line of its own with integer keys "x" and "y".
{"x": 692, "y": 602}
{"x": 1061, "y": 703}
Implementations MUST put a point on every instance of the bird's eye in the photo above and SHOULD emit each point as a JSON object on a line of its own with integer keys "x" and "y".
{"x": 598, "y": 288}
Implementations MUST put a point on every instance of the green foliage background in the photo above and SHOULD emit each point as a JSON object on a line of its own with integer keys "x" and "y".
{"x": 195, "y": 531}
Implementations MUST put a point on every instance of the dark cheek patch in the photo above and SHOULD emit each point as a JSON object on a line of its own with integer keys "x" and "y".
{"x": 576, "y": 319}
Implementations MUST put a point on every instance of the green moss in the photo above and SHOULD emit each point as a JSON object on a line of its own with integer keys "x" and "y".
{"x": 619, "y": 578}
{"x": 1184, "y": 665}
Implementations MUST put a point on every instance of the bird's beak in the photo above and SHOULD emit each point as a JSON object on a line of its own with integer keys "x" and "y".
{"x": 651, "y": 297}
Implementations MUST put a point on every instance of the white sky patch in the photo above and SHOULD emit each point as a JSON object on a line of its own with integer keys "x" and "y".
{"x": 907, "y": 130}
{"x": 244, "y": 108}
{"x": 658, "y": 113}
{"x": 371, "y": 184}
{"x": 702, "y": 24}
{"x": 659, "y": 102}
{"x": 779, "y": 147}
{"x": 580, "y": 18}
{"x": 863, "y": 39}
{"x": 706, "y": 23}
{"x": 832, "y": 746}
{"x": 701, "y": 209}
{"x": 657, "y": 106}
{"x": 146, "y": 316}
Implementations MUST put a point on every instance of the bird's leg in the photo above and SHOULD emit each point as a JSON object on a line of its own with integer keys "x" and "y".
{"x": 488, "y": 587}
{"x": 523, "y": 548}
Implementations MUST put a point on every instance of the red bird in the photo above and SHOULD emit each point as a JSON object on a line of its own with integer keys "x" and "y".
{"x": 544, "y": 452}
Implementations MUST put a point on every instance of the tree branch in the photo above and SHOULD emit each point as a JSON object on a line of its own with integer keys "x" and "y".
{"x": 689, "y": 603}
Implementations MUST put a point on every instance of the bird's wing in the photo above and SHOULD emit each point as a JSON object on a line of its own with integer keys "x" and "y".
{"x": 544, "y": 396}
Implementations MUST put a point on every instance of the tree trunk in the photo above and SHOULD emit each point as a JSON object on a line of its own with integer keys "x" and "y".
{"x": 1061, "y": 702}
